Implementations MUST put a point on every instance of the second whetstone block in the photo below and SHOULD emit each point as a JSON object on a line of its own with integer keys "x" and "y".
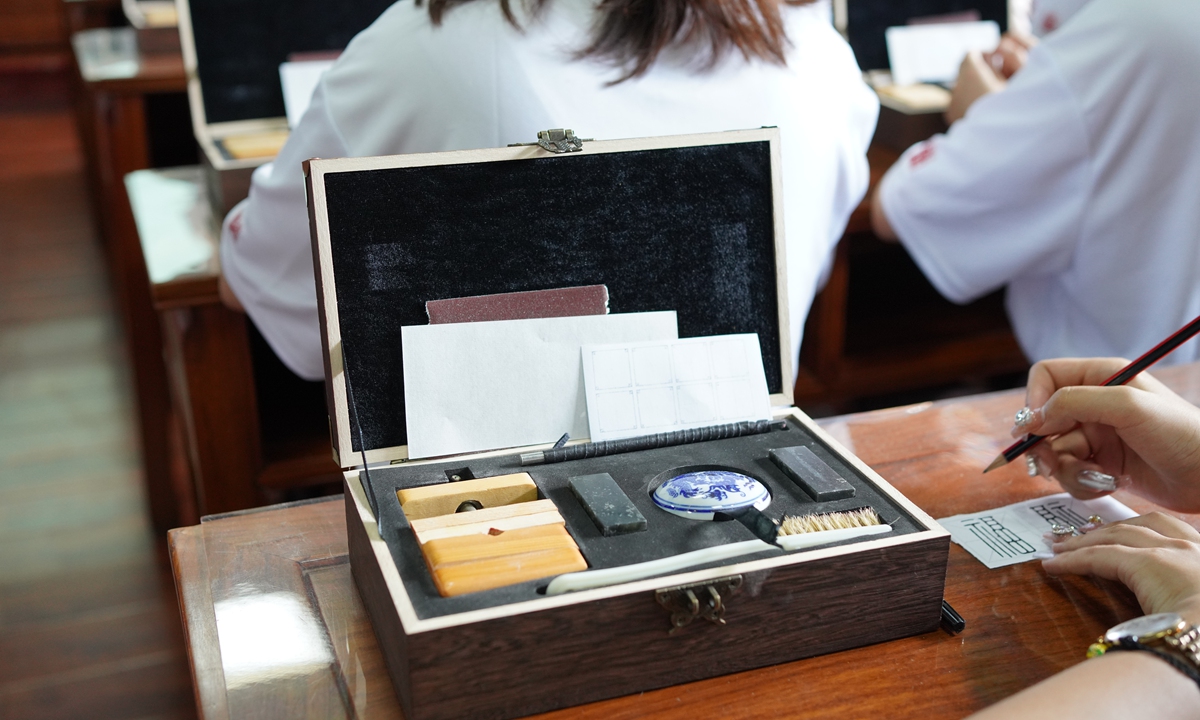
{"x": 812, "y": 473}
{"x": 607, "y": 504}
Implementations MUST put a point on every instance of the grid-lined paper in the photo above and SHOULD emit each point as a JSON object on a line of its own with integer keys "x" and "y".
{"x": 644, "y": 388}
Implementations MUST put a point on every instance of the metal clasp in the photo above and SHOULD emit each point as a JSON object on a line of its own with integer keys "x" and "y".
{"x": 557, "y": 141}
{"x": 701, "y": 600}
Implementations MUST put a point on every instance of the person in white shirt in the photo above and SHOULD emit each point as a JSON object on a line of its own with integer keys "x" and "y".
{"x": 473, "y": 78}
{"x": 1074, "y": 186}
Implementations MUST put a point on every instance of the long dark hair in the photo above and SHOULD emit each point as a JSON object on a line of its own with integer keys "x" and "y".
{"x": 632, "y": 33}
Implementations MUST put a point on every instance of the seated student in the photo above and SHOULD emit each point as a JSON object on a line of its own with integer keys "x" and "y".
{"x": 1073, "y": 187}
{"x": 484, "y": 73}
{"x": 1146, "y": 439}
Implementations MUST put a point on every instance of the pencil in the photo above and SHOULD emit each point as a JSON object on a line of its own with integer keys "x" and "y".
{"x": 1158, "y": 352}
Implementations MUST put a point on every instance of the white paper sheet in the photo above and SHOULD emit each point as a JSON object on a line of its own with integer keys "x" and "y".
{"x": 932, "y": 53}
{"x": 299, "y": 81}
{"x": 645, "y": 388}
{"x": 173, "y": 221}
{"x": 1013, "y": 533}
{"x": 481, "y": 386}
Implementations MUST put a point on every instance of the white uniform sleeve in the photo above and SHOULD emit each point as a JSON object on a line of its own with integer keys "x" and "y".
{"x": 1002, "y": 195}
{"x": 266, "y": 253}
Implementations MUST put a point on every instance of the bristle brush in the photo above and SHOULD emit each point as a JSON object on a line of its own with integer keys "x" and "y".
{"x": 803, "y": 531}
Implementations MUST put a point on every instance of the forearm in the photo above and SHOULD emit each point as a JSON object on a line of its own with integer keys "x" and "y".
{"x": 1121, "y": 684}
{"x": 879, "y": 220}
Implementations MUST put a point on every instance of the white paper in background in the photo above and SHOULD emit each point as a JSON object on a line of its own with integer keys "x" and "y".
{"x": 1013, "y": 533}
{"x": 173, "y": 222}
{"x": 645, "y": 388}
{"x": 299, "y": 80}
{"x": 488, "y": 385}
{"x": 932, "y": 53}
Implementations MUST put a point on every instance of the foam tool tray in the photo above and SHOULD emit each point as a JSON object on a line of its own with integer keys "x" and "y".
{"x": 637, "y": 474}
{"x": 686, "y": 223}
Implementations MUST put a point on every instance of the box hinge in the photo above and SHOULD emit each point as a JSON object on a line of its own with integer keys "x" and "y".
{"x": 557, "y": 141}
{"x": 700, "y": 600}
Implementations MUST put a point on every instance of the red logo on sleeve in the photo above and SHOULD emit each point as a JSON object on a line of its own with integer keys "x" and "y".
{"x": 235, "y": 226}
{"x": 922, "y": 155}
{"x": 1049, "y": 23}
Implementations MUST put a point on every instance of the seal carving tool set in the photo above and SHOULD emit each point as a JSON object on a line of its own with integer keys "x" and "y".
{"x": 520, "y": 580}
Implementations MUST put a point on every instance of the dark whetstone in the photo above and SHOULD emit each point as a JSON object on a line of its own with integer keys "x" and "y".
{"x": 607, "y": 504}
{"x": 812, "y": 474}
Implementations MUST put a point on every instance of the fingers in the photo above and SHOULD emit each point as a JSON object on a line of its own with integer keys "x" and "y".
{"x": 1111, "y": 562}
{"x": 1009, "y": 56}
{"x": 1156, "y": 556}
{"x": 1163, "y": 579}
{"x": 1022, "y": 39}
{"x": 1145, "y": 531}
{"x": 976, "y": 78}
{"x": 1088, "y": 462}
{"x": 1117, "y": 407}
{"x": 1165, "y": 525}
{"x": 1048, "y": 376}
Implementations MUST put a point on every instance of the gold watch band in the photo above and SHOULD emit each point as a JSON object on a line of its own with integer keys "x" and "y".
{"x": 1187, "y": 644}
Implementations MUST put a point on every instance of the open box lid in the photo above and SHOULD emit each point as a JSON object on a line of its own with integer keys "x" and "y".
{"x": 232, "y": 50}
{"x": 691, "y": 223}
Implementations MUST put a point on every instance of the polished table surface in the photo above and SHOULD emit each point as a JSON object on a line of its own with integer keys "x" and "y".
{"x": 276, "y": 628}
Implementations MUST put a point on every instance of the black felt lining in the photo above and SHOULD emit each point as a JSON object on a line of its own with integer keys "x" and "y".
{"x": 241, "y": 43}
{"x": 636, "y": 474}
{"x": 684, "y": 229}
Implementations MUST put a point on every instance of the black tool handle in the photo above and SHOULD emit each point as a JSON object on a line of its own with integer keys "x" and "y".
{"x": 649, "y": 442}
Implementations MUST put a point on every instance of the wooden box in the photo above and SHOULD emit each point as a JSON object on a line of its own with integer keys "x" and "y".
{"x": 232, "y": 50}
{"x": 689, "y": 223}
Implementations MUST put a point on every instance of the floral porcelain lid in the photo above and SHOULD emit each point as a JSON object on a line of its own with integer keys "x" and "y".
{"x": 697, "y": 495}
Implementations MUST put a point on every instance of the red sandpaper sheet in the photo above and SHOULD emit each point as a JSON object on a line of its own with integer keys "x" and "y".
{"x": 560, "y": 302}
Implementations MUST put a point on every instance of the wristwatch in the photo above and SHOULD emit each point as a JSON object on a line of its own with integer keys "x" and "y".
{"x": 1165, "y": 634}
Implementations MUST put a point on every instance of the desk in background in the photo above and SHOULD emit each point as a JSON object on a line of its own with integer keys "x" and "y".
{"x": 295, "y": 640}
{"x": 237, "y": 454}
{"x": 117, "y": 87}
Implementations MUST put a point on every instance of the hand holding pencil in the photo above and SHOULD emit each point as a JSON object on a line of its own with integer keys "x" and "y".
{"x": 1141, "y": 434}
{"x": 1120, "y": 377}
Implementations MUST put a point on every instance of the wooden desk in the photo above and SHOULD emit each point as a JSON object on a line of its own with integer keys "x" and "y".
{"x": 114, "y": 83}
{"x": 208, "y": 359}
{"x": 294, "y": 639}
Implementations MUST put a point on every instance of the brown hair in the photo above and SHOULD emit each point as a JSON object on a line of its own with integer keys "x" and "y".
{"x": 632, "y": 33}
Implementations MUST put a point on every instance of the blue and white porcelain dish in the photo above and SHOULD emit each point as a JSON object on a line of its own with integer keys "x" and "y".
{"x": 697, "y": 495}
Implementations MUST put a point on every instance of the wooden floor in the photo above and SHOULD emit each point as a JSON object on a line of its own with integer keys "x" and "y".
{"x": 89, "y": 626}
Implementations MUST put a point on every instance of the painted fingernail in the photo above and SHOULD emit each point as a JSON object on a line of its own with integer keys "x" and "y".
{"x": 1041, "y": 556}
{"x": 1025, "y": 417}
{"x": 1096, "y": 480}
{"x": 1031, "y": 465}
